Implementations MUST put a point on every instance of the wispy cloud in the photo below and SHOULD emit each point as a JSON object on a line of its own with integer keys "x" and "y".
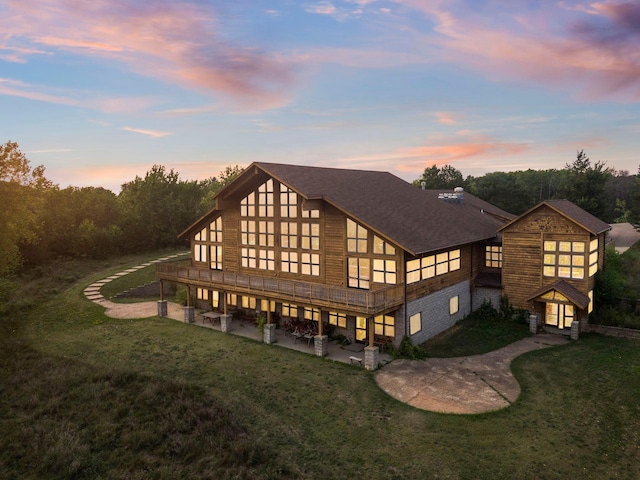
{"x": 591, "y": 52}
{"x": 176, "y": 42}
{"x": 150, "y": 133}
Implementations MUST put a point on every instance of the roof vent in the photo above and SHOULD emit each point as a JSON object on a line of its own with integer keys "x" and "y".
{"x": 456, "y": 197}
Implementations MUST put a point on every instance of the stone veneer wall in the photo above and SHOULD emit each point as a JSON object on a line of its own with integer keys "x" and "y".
{"x": 435, "y": 310}
{"x": 489, "y": 295}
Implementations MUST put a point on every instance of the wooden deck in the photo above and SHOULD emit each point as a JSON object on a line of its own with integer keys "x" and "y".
{"x": 348, "y": 300}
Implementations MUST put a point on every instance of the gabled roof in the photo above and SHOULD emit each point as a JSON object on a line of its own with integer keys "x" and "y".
{"x": 578, "y": 298}
{"x": 414, "y": 219}
{"x": 572, "y": 212}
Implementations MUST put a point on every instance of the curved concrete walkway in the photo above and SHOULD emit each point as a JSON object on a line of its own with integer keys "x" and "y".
{"x": 132, "y": 310}
{"x": 476, "y": 384}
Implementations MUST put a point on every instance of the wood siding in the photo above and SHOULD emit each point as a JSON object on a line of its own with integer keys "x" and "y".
{"x": 523, "y": 245}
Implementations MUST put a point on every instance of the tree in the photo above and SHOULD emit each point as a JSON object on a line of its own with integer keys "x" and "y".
{"x": 585, "y": 184}
{"x": 447, "y": 177}
{"x": 634, "y": 201}
{"x": 21, "y": 196}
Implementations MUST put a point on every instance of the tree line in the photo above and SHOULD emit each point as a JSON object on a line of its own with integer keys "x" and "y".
{"x": 41, "y": 221}
{"x": 609, "y": 194}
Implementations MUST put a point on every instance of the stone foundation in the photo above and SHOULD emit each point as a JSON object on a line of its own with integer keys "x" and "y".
{"x": 575, "y": 330}
{"x": 269, "y": 333}
{"x": 320, "y": 343}
{"x": 189, "y": 314}
{"x": 371, "y": 358}
{"x": 225, "y": 323}
{"x": 162, "y": 308}
{"x": 533, "y": 324}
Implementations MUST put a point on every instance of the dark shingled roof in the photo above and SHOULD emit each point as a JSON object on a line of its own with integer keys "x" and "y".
{"x": 415, "y": 219}
{"x": 570, "y": 210}
{"x": 578, "y": 298}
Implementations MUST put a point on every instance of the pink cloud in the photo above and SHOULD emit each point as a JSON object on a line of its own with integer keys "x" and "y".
{"x": 591, "y": 52}
{"x": 177, "y": 42}
{"x": 149, "y": 133}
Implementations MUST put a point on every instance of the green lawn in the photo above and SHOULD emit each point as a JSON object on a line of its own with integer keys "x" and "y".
{"x": 83, "y": 396}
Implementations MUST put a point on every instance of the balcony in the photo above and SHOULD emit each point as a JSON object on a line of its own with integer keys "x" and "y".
{"x": 359, "y": 302}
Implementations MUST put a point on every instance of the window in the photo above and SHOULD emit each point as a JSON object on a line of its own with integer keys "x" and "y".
{"x": 415, "y": 323}
{"x": 361, "y": 329}
{"x": 288, "y": 203}
{"x": 311, "y": 314}
{"x": 310, "y": 236}
{"x": 358, "y": 272}
{"x": 289, "y": 235}
{"x": 454, "y": 306}
{"x": 356, "y": 237}
{"x": 338, "y": 319}
{"x": 215, "y": 298}
{"x": 590, "y": 302}
{"x": 248, "y": 232}
{"x": 216, "y": 257}
{"x": 248, "y": 205}
{"x": 202, "y": 294}
{"x": 232, "y": 299}
{"x": 267, "y": 305}
{"x": 563, "y": 259}
{"x": 289, "y": 310}
{"x": 380, "y": 247}
{"x": 432, "y": 265}
{"x": 200, "y": 249}
{"x": 248, "y": 257}
{"x": 265, "y": 199}
{"x": 249, "y": 302}
{"x": 289, "y": 262}
{"x": 384, "y": 271}
{"x": 384, "y": 325}
{"x": 266, "y": 260}
{"x": 215, "y": 230}
{"x": 310, "y": 213}
{"x": 310, "y": 264}
{"x": 593, "y": 257}
{"x": 493, "y": 256}
{"x": 266, "y": 236}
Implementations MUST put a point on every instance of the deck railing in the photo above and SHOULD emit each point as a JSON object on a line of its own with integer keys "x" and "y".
{"x": 314, "y": 294}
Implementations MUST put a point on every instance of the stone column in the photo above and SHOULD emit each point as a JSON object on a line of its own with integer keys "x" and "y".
{"x": 371, "y": 358}
{"x": 225, "y": 322}
{"x": 189, "y": 314}
{"x": 533, "y": 324}
{"x": 575, "y": 330}
{"x": 269, "y": 334}
{"x": 162, "y": 308}
{"x": 320, "y": 343}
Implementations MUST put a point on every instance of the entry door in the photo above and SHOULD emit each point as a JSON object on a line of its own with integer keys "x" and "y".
{"x": 559, "y": 315}
{"x": 361, "y": 329}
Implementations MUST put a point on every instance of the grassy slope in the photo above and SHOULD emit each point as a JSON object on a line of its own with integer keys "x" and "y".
{"x": 85, "y": 396}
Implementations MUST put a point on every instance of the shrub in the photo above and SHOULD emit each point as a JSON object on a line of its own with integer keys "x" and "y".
{"x": 408, "y": 350}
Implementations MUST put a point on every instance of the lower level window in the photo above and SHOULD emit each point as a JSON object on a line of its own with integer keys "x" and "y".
{"x": 415, "y": 323}
{"x": 454, "y": 306}
{"x": 385, "y": 325}
{"x": 338, "y": 319}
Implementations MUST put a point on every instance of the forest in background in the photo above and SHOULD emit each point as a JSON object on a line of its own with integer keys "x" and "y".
{"x": 43, "y": 222}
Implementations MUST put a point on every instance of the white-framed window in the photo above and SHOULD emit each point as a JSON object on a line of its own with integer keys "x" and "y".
{"x": 359, "y": 272}
{"x": 338, "y": 319}
{"x": 415, "y": 323}
{"x": 454, "y": 305}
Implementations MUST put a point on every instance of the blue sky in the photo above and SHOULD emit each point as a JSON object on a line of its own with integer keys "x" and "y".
{"x": 99, "y": 91}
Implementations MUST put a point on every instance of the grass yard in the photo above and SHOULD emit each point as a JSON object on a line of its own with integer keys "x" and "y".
{"x": 83, "y": 396}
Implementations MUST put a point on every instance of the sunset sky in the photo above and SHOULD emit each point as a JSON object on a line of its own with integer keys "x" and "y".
{"x": 98, "y": 91}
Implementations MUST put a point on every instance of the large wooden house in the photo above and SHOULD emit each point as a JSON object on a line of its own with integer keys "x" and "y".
{"x": 375, "y": 258}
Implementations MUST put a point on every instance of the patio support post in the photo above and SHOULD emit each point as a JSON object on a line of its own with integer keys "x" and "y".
{"x": 320, "y": 341}
{"x": 370, "y": 330}
{"x": 162, "y": 303}
{"x": 533, "y": 323}
{"x": 371, "y": 357}
{"x": 189, "y": 310}
{"x": 575, "y": 330}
